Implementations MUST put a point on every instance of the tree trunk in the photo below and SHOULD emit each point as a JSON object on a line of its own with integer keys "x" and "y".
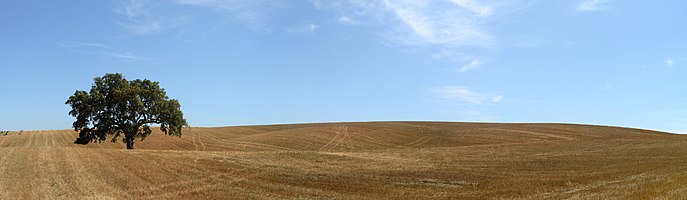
{"x": 129, "y": 142}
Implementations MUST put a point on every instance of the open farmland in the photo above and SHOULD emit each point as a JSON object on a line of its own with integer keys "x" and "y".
{"x": 379, "y": 160}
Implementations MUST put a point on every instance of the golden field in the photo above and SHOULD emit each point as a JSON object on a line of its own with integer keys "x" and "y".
{"x": 368, "y": 160}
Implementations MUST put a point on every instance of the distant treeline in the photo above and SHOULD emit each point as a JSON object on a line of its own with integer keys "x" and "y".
{"x": 4, "y": 132}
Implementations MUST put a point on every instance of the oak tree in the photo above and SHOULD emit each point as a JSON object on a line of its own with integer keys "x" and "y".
{"x": 117, "y": 107}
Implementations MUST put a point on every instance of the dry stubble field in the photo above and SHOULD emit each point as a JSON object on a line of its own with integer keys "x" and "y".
{"x": 380, "y": 160}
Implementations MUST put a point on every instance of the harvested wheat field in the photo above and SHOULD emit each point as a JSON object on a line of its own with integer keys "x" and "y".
{"x": 377, "y": 160}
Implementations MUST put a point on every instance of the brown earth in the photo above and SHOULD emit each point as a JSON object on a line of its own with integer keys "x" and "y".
{"x": 377, "y": 160}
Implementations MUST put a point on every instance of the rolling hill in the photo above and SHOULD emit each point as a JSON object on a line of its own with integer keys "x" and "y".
{"x": 365, "y": 160}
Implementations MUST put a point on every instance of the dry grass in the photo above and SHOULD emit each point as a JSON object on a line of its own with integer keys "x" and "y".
{"x": 385, "y": 160}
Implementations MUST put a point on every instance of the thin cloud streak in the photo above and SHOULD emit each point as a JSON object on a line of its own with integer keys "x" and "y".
{"x": 476, "y": 116}
{"x": 465, "y": 95}
{"x": 100, "y": 50}
{"x": 347, "y": 21}
{"x": 593, "y": 5}
{"x": 143, "y": 17}
{"x": 474, "y": 64}
{"x": 85, "y": 44}
{"x": 669, "y": 62}
{"x": 474, "y": 7}
{"x": 468, "y": 63}
{"x": 129, "y": 56}
{"x": 255, "y": 13}
{"x": 306, "y": 29}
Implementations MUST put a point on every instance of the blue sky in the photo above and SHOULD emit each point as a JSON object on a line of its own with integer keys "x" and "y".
{"x": 238, "y": 62}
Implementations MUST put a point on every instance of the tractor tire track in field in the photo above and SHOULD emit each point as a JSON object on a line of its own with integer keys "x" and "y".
{"x": 193, "y": 140}
{"x": 247, "y": 141}
{"x": 200, "y": 140}
{"x": 213, "y": 143}
{"x": 533, "y": 133}
{"x": 196, "y": 140}
{"x": 340, "y": 136}
{"x": 419, "y": 142}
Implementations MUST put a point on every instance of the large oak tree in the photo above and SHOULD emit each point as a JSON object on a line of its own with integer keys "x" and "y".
{"x": 117, "y": 107}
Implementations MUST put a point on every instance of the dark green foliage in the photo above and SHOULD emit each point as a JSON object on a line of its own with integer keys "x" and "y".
{"x": 117, "y": 107}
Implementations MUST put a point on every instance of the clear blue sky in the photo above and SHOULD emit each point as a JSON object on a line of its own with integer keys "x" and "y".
{"x": 236, "y": 62}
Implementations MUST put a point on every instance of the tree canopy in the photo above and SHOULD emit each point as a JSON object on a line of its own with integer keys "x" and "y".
{"x": 117, "y": 107}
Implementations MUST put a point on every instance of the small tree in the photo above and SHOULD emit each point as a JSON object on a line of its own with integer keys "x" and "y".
{"x": 115, "y": 106}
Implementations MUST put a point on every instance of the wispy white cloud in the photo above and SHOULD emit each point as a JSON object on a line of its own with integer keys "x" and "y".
{"x": 87, "y": 44}
{"x": 125, "y": 55}
{"x": 476, "y": 116}
{"x": 451, "y": 23}
{"x": 607, "y": 87}
{"x": 496, "y": 99}
{"x": 441, "y": 25}
{"x": 151, "y": 16}
{"x": 255, "y": 13}
{"x": 474, "y": 64}
{"x": 474, "y": 7}
{"x": 84, "y": 45}
{"x": 100, "y": 50}
{"x": 347, "y": 20}
{"x": 144, "y": 17}
{"x": 593, "y": 5}
{"x": 465, "y": 95}
{"x": 669, "y": 61}
{"x": 467, "y": 63}
{"x": 356, "y": 12}
{"x": 307, "y": 29}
